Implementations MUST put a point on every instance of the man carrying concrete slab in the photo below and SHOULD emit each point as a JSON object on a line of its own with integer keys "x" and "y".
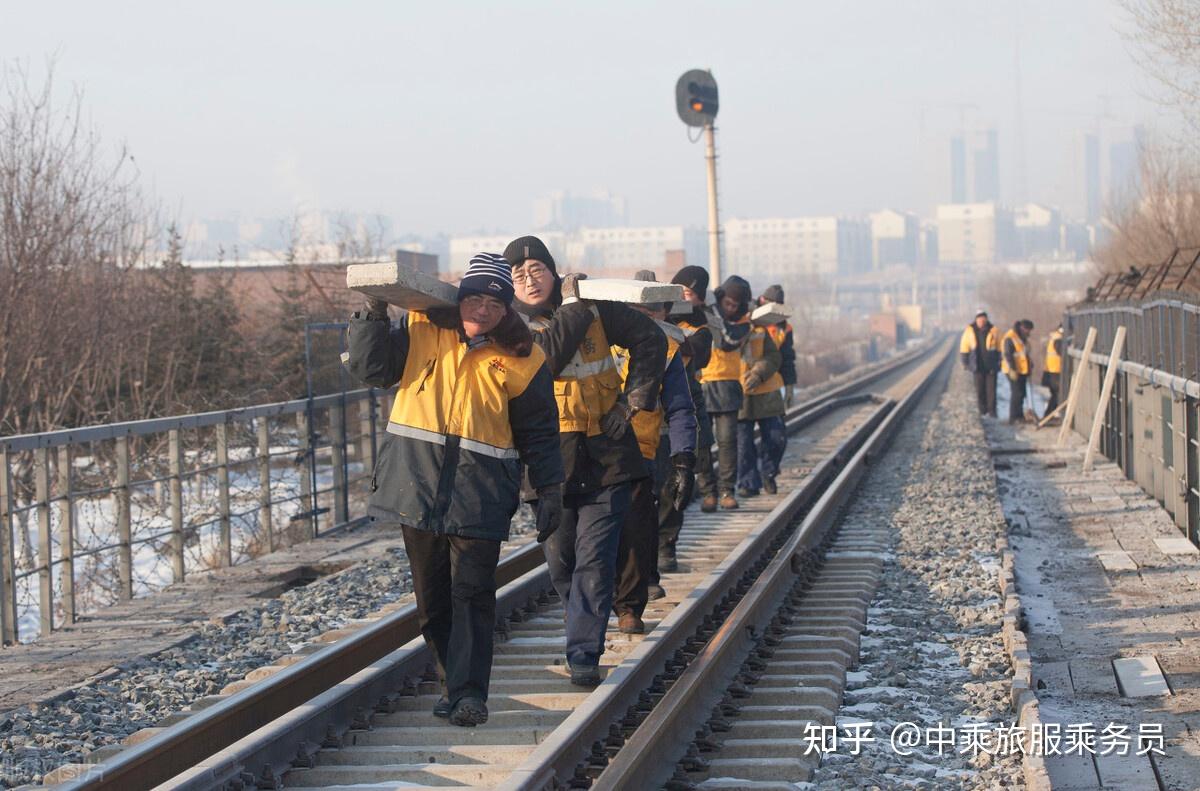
{"x": 475, "y": 403}
{"x": 599, "y": 448}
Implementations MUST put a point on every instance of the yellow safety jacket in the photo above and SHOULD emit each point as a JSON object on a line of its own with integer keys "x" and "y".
{"x": 1053, "y": 358}
{"x": 966, "y": 344}
{"x": 647, "y": 424}
{"x": 1020, "y": 357}
{"x": 778, "y": 333}
{"x": 723, "y": 366}
{"x": 752, "y": 352}
{"x": 449, "y": 463}
{"x": 588, "y": 387}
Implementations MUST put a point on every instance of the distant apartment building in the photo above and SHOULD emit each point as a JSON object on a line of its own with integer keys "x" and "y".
{"x": 782, "y": 247}
{"x": 562, "y": 211}
{"x": 971, "y": 234}
{"x": 634, "y": 248}
{"x": 1038, "y": 230}
{"x": 895, "y": 238}
{"x": 463, "y": 247}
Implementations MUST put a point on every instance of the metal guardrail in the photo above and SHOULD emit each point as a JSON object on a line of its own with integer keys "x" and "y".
{"x": 135, "y": 506}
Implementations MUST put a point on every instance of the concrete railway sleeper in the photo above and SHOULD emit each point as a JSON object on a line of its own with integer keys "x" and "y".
{"x": 366, "y": 718}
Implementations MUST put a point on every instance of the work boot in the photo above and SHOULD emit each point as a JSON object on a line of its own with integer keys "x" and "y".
{"x": 442, "y": 707}
{"x": 469, "y": 712}
{"x": 709, "y": 503}
{"x": 667, "y": 563}
{"x": 744, "y": 492}
{"x": 630, "y": 624}
{"x": 584, "y": 675}
{"x": 656, "y": 592}
{"x": 769, "y": 485}
{"x": 728, "y": 501}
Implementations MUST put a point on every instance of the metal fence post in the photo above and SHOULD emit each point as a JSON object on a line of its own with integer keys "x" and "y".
{"x": 124, "y": 520}
{"x": 308, "y": 473}
{"x": 41, "y": 482}
{"x": 365, "y": 425}
{"x": 66, "y": 534}
{"x": 337, "y": 446}
{"x": 226, "y": 549}
{"x": 8, "y": 555}
{"x": 264, "y": 482}
{"x": 176, "y": 483}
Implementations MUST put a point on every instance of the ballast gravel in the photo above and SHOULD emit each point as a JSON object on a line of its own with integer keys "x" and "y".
{"x": 38, "y": 738}
{"x": 932, "y": 654}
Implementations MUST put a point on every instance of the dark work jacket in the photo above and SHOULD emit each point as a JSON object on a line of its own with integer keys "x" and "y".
{"x": 595, "y": 462}
{"x": 443, "y": 476}
{"x": 787, "y": 353}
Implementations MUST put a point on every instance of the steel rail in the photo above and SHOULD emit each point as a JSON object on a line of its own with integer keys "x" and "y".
{"x": 648, "y": 757}
{"x": 188, "y": 743}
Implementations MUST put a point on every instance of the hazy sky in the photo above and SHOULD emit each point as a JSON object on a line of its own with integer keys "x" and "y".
{"x": 454, "y": 116}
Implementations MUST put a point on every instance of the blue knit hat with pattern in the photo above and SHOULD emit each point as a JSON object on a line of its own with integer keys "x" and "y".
{"x": 488, "y": 274}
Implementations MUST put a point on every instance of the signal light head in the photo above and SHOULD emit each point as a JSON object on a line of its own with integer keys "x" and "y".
{"x": 698, "y": 106}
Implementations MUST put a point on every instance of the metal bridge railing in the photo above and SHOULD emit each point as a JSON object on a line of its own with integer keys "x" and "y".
{"x": 93, "y": 516}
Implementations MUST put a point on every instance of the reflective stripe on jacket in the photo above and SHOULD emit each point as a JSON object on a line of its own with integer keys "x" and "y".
{"x": 589, "y": 384}
{"x": 1053, "y": 355}
{"x": 1020, "y": 359}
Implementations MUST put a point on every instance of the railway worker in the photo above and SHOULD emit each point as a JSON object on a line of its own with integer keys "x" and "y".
{"x": 695, "y": 351}
{"x": 1052, "y": 370}
{"x": 723, "y": 394}
{"x": 475, "y": 404}
{"x": 782, "y": 333}
{"x": 671, "y": 464}
{"x": 979, "y": 350}
{"x": 1016, "y": 364}
{"x": 600, "y": 451}
{"x": 761, "y": 406}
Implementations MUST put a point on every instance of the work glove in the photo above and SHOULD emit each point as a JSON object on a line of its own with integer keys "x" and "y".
{"x": 570, "y": 287}
{"x": 616, "y": 421}
{"x": 789, "y": 395}
{"x": 549, "y": 511}
{"x": 376, "y": 308}
{"x": 681, "y": 481}
{"x": 750, "y": 381}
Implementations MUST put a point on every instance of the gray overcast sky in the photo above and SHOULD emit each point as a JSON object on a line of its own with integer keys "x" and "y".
{"x": 454, "y": 116}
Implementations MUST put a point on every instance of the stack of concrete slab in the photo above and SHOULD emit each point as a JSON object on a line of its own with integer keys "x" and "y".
{"x": 399, "y": 286}
{"x": 770, "y": 313}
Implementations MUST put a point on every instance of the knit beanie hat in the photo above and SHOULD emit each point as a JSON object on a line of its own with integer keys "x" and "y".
{"x": 523, "y": 248}
{"x": 488, "y": 274}
{"x": 773, "y": 294}
{"x": 736, "y": 288}
{"x": 693, "y": 277}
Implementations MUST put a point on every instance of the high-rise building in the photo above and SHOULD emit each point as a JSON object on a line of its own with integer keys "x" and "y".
{"x": 1123, "y": 166}
{"x": 779, "y": 247}
{"x": 987, "y": 169}
{"x": 1038, "y": 229}
{"x": 958, "y": 169}
{"x": 895, "y": 238}
{"x": 1091, "y": 176}
{"x": 971, "y": 234}
{"x": 562, "y": 211}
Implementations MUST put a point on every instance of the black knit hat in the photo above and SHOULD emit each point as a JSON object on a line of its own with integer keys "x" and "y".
{"x": 693, "y": 277}
{"x": 773, "y": 294}
{"x": 487, "y": 274}
{"x": 523, "y": 248}
{"x": 738, "y": 289}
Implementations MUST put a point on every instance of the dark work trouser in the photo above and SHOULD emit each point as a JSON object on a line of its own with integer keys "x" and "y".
{"x": 582, "y": 556}
{"x": 772, "y": 442}
{"x": 454, "y": 579}
{"x": 985, "y": 392}
{"x": 1016, "y": 398}
{"x": 724, "y": 426}
{"x": 637, "y": 552}
{"x": 670, "y": 520}
{"x": 1053, "y": 382}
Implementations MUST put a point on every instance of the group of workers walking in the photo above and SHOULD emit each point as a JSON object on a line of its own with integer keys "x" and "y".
{"x": 602, "y": 415}
{"x": 985, "y": 353}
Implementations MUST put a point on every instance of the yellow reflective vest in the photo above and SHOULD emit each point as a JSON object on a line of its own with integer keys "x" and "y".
{"x": 1053, "y": 358}
{"x": 647, "y": 424}
{"x": 752, "y": 352}
{"x": 1020, "y": 357}
{"x": 966, "y": 344}
{"x": 588, "y": 387}
{"x": 450, "y": 390}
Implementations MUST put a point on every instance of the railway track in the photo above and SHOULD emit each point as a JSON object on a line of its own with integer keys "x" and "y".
{"x": 358, "y": 714}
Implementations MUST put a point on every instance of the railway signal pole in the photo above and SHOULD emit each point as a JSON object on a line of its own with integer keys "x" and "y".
{"x": 696, "y": 102}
